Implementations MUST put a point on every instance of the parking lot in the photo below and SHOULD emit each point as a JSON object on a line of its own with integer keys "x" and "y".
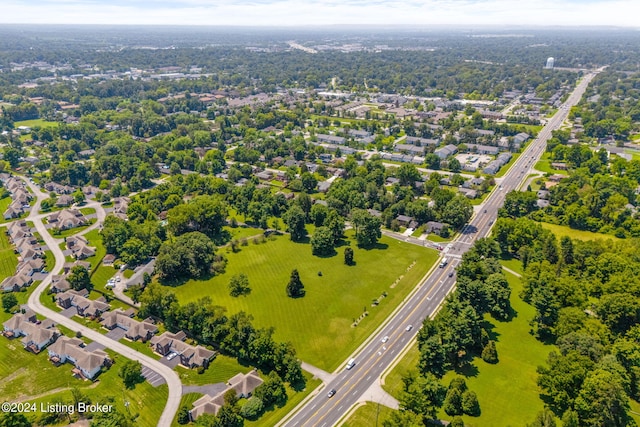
{"x": 154, "y": 378}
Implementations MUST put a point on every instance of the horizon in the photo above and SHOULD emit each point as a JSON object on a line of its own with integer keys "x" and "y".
{"x": 323, "y": 13}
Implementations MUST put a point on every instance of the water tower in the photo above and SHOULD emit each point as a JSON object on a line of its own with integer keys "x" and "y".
{"x": 550, "y": 62}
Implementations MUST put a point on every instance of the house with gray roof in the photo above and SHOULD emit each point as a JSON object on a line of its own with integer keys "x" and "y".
{"x": 331, "y": 139}
{"x": 446, "y": 151}
{"x": 190, "y": 356}
{"x": 87, "y": 363}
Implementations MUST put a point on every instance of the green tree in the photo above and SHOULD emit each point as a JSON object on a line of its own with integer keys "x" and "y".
{"x": 183, "y": 415}
{"x": 134, "y": 252}
{"x": 602, "y": 400}
{"x": 239, "y": 285}
{"x": 322, "y": 241}
{"x": 131, "y": 373}
{"x": 453, "y": 402}
{"x": 295, "y": 288}
{"x": 190, "y": 255}
{"x": 272, "y": 390}
{"x": 294, "y": 218}
{"x": 489, "y": 352}
{"x": 367, "y": 227}
{"x": 9, "y": 301}
{"x": 348, "y": 256}
{"x": 422, "y": 395}
{"x": 544, "y": 418}
{"x": 252, "y": 409}
{"x": 470, "y": 405}
{"x": 309, "y": 182}
{"x": 79, "y": 278}
{"x": 456, "y": 422}
{"x": 457, "y": 211}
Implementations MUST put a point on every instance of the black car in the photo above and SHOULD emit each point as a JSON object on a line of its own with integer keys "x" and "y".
{"x": 451, "y": 274}
{"x": 331, "y": 393}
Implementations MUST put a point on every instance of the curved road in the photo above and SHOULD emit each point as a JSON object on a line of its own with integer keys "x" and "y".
{"x": 170, "y": 376}
{"x": 390, "y": 340}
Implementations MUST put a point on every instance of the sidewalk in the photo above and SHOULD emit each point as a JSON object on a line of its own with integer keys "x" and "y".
{"x": 318, "y": 373}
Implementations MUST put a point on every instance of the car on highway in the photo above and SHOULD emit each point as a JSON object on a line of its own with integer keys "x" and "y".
{"x": 409, "y": 327}
{"x": 451, "y": 274}
{"x": 385, "y": 339}
{"x": 331, "y": 392}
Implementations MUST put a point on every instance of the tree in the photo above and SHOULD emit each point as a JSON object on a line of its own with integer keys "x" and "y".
{"x": 239, "y": 285}
{"x": 348, "y": 256}
{"x": 456, "y": 422}
{"x": 470, "y": 405}
{"x": 79, "y": 278}
{"x": 190, "y": 255}
{"x": 454, "y": 165}
{"x": 206, "y": 214}
{"x": 309, "y": 182}
{"x": 422, "y": 395}
{"x": 272, "y": 390}
{"x": 335, "y": 223}
{"x": 367, "y": 227}
{"x": 602, "y": 400}
{"x": 544, "y": 419}
{"x": 294, "y": 218}
{"x": 14, "y": 419}
{"x": 183, "y": 415}
{"x": 295, "y": 288}
{"x": 562, "y": 380}
{"x": 134, "y": 252}
{"x": 131, "y": 373}
{"x": 457, "y": 211}
{"x": 453, "y": 402}
{"x": 489, "y": 352}
{"x": 252, "y": 408}
{"x": 322, "y": 241}
{"x": 9, "y": 301}
{"x": 432, "y": 161}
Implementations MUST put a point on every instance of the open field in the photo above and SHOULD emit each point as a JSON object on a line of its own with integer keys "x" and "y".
{"x": 393, "y": 378}
{"x": 36, "y": 123}
{"x": 563, "y": 230}
{"x": 544, "y": 165}
{"x": 8, "y": 259}
{"x": 187, "y": 400}
{"x": 319, "y": 324}
{"x": 368, "y": 415}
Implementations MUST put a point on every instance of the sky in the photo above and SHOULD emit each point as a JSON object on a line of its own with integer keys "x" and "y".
{"x": 323, "y": 12}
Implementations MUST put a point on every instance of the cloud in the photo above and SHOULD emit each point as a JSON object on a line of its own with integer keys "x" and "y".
{"x": 323, "y": 12}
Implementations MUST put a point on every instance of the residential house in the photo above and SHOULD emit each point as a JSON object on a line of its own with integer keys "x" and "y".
{"x": 59, "y": 284}
{"x": 79, "y": 247}
{"x": 483, "y": 149}
{"x": 135, "y": 330}
{"x": 405, "y": 220}
{"x": 85, "y": 307}
{"x": 64, "y": 201}
{"x": 87, "y": 363}
{"x": 521, "y": 138}
{"x": 58, "y": 188}
{"x": 422, "y": 142}
{"x": 244, "y": 386}
{"x": 446, "y": 151}
{"x": 108, "y": 259}
{"x": 323, "y": 186}
{"x": 331, "y": 139}
{"x": 15, "y": 283}
{"x": 190, "y": 356}
{"x": 435, "y": 227}
{"x": 407, "y": 148}
{"x": 66, "y": 219}
{"x": 36, "y": 335}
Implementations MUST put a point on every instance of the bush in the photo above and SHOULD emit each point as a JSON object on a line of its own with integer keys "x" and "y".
{"x": 456, "y": 422}
{"x": 183, "y": 415}
{"x": 470, "y": 405}
{"x": 489, "y": 353}
{"x": 252, "y": 409}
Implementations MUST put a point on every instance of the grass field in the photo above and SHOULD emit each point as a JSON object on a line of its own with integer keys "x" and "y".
{"x": 36, "y": 123}
{"x": 187, "y": 400}
{"x": 368, "y": 415}
{"x": 221, "y": 369}
{"x": 319, "y": 324}
{"x": 8, "y": 259}
{"x": 26, "y": 377}
{"x": 507, "y": 392}
{"x": 72, "y": 231}
{"x": 239, "y": 233}
{"x": 503, "y": 170}
{"x": 95, "y": 240}
{"x": 101, "y": 275}
{"x": 4, "y": 204}
{"x": 544, "y": 165}
{"x": 563, "y": 230}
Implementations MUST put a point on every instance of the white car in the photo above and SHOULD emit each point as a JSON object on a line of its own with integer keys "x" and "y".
{"x": 409, "y": 328}
{"x": 171, "y": 356}
{"x": 110, "y": 284}
{"x": 385, "y": 339}
{"x": 118, "y": 279}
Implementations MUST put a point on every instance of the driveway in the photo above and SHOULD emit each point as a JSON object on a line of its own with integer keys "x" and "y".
{"x": 116, "y": 334}
{"x": 170, "y": 363}
{"x": 210, "y": 389}
{"x": 69, "y": 312}
{"x": 154, "y": 378}
{"x": 94, "y": 346}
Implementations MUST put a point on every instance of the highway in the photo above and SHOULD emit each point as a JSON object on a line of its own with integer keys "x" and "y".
{"x": 375, "y": 356}
{"x": 170, "y": 376}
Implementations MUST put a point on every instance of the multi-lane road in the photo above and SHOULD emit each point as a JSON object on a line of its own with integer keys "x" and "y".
{"x": 375, "y": 356}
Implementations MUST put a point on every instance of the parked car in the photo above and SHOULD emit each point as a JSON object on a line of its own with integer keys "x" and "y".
{"x": 171, "y": 356}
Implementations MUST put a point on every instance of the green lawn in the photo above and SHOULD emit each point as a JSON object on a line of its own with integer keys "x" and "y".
{"x": 438, "y": 239}
{"x": 87, "y": 211}
{"x": 564, "y": 230}
{"x": 319, "y": 325}
{"x": 507, "y": 391}
{"x": 186, "y": 400}
{"x": 369, "y": 415}
{"x": 221, "y": 369}
{"x": 393, "y": 380}
{"x": 4, "y": 204}
{"x": 36, "y": 122}
{"x": 8, "y": 258}
{"x": 101, "y": 275}
{"x": 239, "y": 233}
{"x": 72, "y": 231}
{"x": 26, "y": 377}
{"x": 95, "y": 240}
{"x": 544, "y": 165}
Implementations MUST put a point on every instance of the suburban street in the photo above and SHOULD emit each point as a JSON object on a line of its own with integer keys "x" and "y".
{"x": 373, "y": 358}
{"x": 169, "y": 375}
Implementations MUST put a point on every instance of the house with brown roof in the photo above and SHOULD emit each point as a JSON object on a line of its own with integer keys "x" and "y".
{"x": 135, "y": 330}
{"x": 190, "y": 356}
{"x": 35, "y": 335}
{"x": 79, "y": 247}
{"x": 64, "y": 200}
{"x": 85, "y": 307}
{"x": 59, "y": 284}
{"x": 87, "y": 363}
{"x": 15, "y": 283}
{"x": 66, "y": 219}
{"x": 243, "y": 384}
